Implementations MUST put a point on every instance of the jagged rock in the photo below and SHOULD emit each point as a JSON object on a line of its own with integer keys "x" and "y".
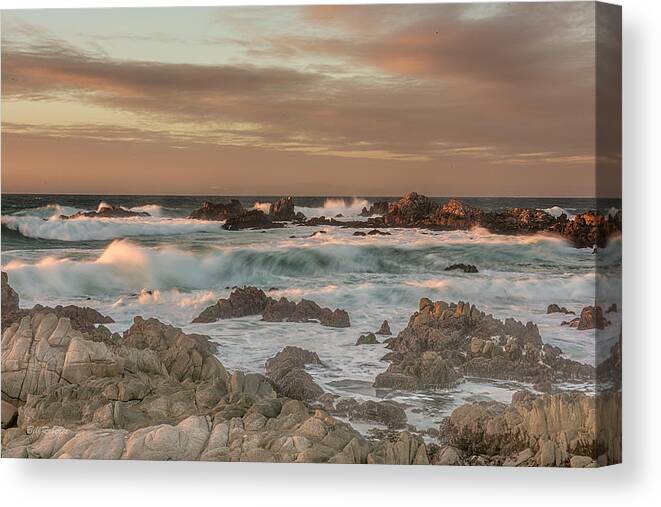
{"x": 589, "y": 229}
{"x": 247, "y": 301}
{"x": 378, "y": 208}
{"x": 377, "y": 232}
{"x": 367, "y": 339}
{"x": 9, "y": 413}
{"x": 409, "y": 210}
{"x": 250, "y": 219}
{"x": 446, "y": 455}
{"x": 553, "y": 308}
{"x": 403, "y": 448}
{"x": 426, "y": 371}
{"x": 283, "y": 209}
{"x": 592, "y": 317}
{"x": 10, "y": 301}
{"x": 466, "y": 268}
{"x": 389, "y": 413}
{"x": 384, "y": 330}
{"x": 286, "y": 371}
{"x": 472, "y": 343}
{"x": 612, "y": 308}
{"x": 240, "y": 303}
{"x": 359, "y": 233}
{"x": 551, "y": 428}
{"x": 217, "y": 212}
{"x": 106, "y": 211}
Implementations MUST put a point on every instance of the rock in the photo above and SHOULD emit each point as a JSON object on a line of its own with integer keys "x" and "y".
{"x": 552, "y": 427}
{"x": 339, "y": 215}
{"x": 580, "y": 461}
{"x": 591, "y": 317}
{"x": 472, "y": 343}
{"x": 106, "y": 211}
{"x": 378, "y": 208}
{"x": 367, "y": 339}
{"x": 82, "y": 318}
{"x": 217, "y": 212}
{"x": 250, "y": 219}
{"x": 413, "y": 372}
{"x": 253, "y": 301}
{"x": 384, "y": 330}
{"x": 10, "y": 301}
{"x": 589, "y": 229}
{"x": 447, "y": 456}
{"x": 283, "y": 209}
{"x": 377, "y": 232}
{"x": 553, "y": 308}
{"x": 240, "y": 303}
{"x": 402, "y": 448}
{"x": 286, "y": 371}
{"x": 359, "y": 233}
{"x": 612, "y": 308}
{"x": 409, "y": 210}
{"x": 389, "y": 413}
{"x": 466, "y": 268}
{"x": 9, "y": 413}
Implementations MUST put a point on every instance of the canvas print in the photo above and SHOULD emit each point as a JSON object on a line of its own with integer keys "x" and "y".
{"x": 357, "y": 234}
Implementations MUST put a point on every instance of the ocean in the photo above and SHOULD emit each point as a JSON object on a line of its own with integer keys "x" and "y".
{"x": 170, "y": 267}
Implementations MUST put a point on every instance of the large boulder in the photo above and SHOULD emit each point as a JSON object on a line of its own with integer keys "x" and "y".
{"x": 287, "y": 372}
{"x": 283, "y": 209}
{"x": 589, "y": 229}
{"x": 403, "y": 448}
{"x": 548, "y": 429}
{"x": 409, "y": 210}
{"x": 240, "y": 303}
{"x": 250, "y": 219}
{"x": 106, "y": 211}
{"x": 218, "y": 211}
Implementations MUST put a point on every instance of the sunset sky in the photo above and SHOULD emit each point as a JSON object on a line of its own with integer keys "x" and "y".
{"x": 473, "y": 99}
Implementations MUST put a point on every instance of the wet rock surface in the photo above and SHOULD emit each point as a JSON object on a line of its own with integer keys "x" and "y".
{"x": 592, "y": 317}
{"x": 106, "y": 211}
{"x": 283, "y": 209}
{"x": 251, "y": 219}
{"x": 252, "y": 301}
{"x": 367, "y": 339}
{"x": 466, "y": 268}
{"x": 444, "y": 342}
{"x": 217, "y": 211}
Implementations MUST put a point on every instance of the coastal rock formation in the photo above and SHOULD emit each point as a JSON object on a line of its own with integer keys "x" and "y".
{"x": 367, "y": 339}
{"x": 240, "y": 303}
{"x": 217, "y": 211}
{"x": 384, "y": 330}
{"x": 251, "y": 219}
{"x": 444, "y": 341}
{"x": 409, "y": 210}
{"x": 386, "y": 412}
{"x": 553, "y": 308}
{"x": 403, "y": 448}
{"x": 378, "y": 208}
{"x": 517, "y": 221}
{"x": 592, "y": 317}
{"x": 456, "y": 215}
{"x": 253, "y": 301}
{"x": 466, "y": 268}
{"x": 82, "y": 318}
{"x": 287, "y": 372}
{"x": 542, "y": 430}
{"x": 10, "y": 301}
{"x": 106, "y": 211}
{"x": 283, "y": 209}
{"x": 590, "y": 229}
{"x": 154, "y": 393}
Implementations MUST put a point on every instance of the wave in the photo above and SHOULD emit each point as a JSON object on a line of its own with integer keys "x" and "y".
{"x": 333, "y": 207}
{"x": 263, "y": 206}
{"x": 48, "y": 211}
{"x": 556, "y": 211}
{"x": 92, "y": 229}
{"x": 154, "y": 210}
{"x": 127, "y": 267}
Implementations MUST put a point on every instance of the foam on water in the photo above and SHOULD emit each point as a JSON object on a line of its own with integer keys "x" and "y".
{"x": 333, "y": 207}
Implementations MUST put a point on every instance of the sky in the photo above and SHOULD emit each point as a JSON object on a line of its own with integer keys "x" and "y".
{"x": 454, "y": 99}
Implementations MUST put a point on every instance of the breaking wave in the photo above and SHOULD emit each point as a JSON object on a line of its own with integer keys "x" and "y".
{"x": 91, "y": 229}
{"x": 125, "y": 266}
{"x": 333, "y": 207}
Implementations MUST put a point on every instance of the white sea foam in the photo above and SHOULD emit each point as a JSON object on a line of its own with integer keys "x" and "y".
{"x": 154, "y": 210}
{"x": 557, "y": 211}
{"x": 263, "y": 206}
{"x": 85, "y": 229}
{"x": 333, "y": 207}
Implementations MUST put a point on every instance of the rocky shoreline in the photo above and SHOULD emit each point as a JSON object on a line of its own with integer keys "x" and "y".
{"x": 586, "y": 230}
{"x": 72, "y": 389}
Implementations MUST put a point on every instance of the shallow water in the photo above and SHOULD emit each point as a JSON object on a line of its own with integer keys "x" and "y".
{"x": 169, "y": 267}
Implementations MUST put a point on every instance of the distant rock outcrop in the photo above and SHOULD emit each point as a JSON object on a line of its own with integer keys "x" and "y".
{"x": 252, "y": 301}
{"x": 217, "y": 211}
{"x": 283, "y": 209}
